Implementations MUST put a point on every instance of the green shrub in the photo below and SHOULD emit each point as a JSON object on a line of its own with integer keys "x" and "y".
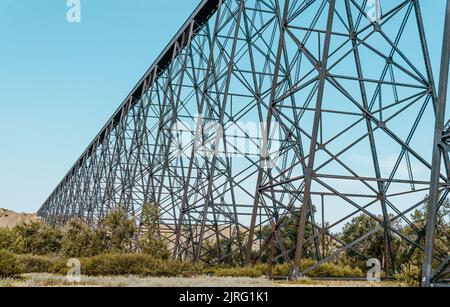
{"x": 146, "y": 265}
{"x": 410, "y": 274}
{"x": 41, "y": 264}
{"x": 281, "y": 270}
{"x": 110, "y": 265}
{"x": 37, "y": 238}
{"x": 325, "y": 270}
{"x": 76, "y": 241}
{"x": 8, "y": 265}
{"x": 136, "y": 264}
{"x": 252, "y": 272}
{"x": 99, "y": 242}
{"x": 335, "y": 270}
{"x": 151, "y": 241}
{"x": 120, "y": 231}
{"x": 7, "y": 239}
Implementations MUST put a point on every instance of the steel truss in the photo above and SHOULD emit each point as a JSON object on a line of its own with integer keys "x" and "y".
{"x": 350, "y": 97}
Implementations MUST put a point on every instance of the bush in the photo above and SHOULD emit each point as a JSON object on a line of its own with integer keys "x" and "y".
{"x": 252, "y": 272}
{"x": 136, "y": 264}
{"x": 334, "y": 270}
{"x": 76, "y": 240}
{"x": 281, "y": 270}
{"x": 148, "y": 266}
{"x": 410, "y": 274}
{"x": 41, "y": 264}
{"x": 325, "y": 270}
{"x": 120, "y": 231}
{"x": 7, "y": 239}
{"x": 37, "y": 238}
{"x": 151, "y": 242}
{"x": 98, "y": 242}
{"x": 110, "y": 265}
{"x": 8, "y": 265}
{"x": 81, "y": 241}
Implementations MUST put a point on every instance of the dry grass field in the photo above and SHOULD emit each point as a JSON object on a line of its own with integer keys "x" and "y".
{"x": 48, "y": 280}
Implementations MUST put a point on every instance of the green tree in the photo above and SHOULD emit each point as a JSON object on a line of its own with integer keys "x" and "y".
{"x": 76, "y": 241}
{"x": 442, "y": 235}
{"x": 80, "y": 240}
{"x": 443, "y": 230}
{"x": 98, "y": 242}
{"x": 8, "y": 264}
{"x": 288, "y": 231}
{"x": 151, "y": 241}
{"x": 358, "y": 227}
{"x": 223, "y": 252}
{"x": 7, "y": 239}
{"x": 120, "y": 231}
{"x": 37, "y": 238}
{"x": 374, "y": 246}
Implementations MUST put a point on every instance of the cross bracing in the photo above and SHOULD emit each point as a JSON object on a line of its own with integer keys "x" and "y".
{"x": 347, "y": 109}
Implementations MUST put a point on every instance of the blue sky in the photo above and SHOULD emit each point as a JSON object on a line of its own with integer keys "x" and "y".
{"x": 60, "y": 82}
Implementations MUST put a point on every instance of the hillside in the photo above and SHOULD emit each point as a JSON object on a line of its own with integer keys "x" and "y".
{"x": 10, "y": 218}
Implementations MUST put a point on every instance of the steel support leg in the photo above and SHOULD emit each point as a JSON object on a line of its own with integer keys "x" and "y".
{"x": 437, "y": 155}
{"x": 306, "y": 206}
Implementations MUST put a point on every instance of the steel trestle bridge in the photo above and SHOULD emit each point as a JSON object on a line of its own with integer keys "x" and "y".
{"x": 349, "y": 90}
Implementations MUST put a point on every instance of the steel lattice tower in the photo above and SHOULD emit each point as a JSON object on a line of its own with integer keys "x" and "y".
{"x": 347, "y": 101}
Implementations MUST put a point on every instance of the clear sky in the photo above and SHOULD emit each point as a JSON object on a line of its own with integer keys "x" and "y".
{"x": 60, "y": 82}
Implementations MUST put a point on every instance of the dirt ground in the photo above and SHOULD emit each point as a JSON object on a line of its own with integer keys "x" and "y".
{"x": 9, "y": 219}
{"x": 48, "y": 280}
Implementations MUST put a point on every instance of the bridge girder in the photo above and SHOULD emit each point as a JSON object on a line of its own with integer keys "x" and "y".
{"x": 344, "y": 101}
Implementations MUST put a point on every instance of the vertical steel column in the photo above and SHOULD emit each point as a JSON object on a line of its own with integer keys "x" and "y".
{"x": 209, "y": 197}
{"x": 390, "y": 256}
{"x": 198, "y": 133}
{"x": 437, "y": 154}
{"x": 305, "y": 209}
{"x": 266, "y": 133}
